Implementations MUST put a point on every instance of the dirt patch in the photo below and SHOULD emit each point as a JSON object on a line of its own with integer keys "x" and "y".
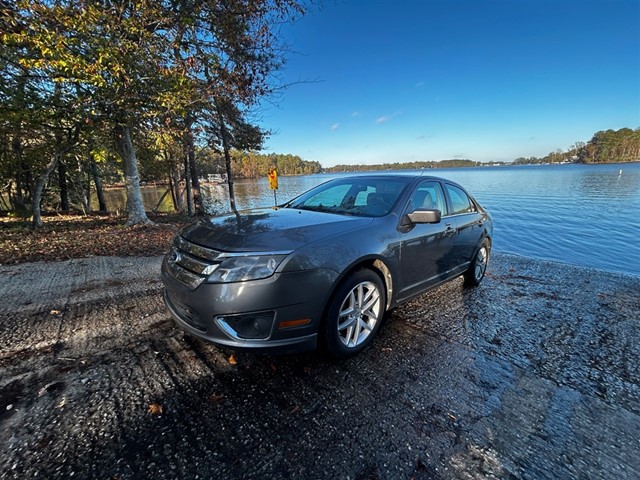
{"x": 64, "y": 237}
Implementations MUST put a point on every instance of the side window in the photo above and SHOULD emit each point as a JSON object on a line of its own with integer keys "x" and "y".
{"x": 460, "y": 201}
{"x": 427, "y": 195}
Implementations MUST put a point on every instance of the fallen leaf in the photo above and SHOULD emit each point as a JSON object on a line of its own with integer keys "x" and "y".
{"x": 50, "y": 387}
{"x": 155, "y": 409}
{"x": 232, "y": 360}
{"x": 216, "y": 398}
{"x": 387, "y": 349}
{"x": 274, "y": 369}
{"x": 295, "y": 409}
{"x": 55, "y": 312}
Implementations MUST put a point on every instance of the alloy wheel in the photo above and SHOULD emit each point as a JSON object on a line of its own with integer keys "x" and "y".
{"x": 481, "y": 263}
{"x": 360, "y": 311}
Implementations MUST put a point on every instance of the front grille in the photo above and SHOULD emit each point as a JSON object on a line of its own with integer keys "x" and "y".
{"x": 185, "y": 313}
{"x": 190, "y": 263}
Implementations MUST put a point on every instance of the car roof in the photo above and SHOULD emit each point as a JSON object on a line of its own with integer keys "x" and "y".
{"x": 396, "y": 175}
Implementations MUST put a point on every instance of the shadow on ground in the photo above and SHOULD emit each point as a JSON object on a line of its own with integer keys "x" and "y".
{"x": 532, "y": 375}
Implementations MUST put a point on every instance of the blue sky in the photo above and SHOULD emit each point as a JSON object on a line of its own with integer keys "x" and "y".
{"x": 397, "y": 81}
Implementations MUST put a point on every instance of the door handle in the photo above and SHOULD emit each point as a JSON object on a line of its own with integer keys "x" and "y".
{"x": 450, "y": 230}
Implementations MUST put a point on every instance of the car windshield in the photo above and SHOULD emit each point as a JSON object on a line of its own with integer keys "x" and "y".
{"x": 363, "y": 197}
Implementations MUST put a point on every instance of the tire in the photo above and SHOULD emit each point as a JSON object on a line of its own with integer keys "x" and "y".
{"x": 475, "y": 273}
{"x": 354, "y": 315}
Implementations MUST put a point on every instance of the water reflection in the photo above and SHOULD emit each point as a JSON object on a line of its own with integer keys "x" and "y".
{"x": 153, "y": 197}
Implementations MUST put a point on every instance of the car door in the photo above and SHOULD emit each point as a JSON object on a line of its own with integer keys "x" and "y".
{"x": 467, "y": 220}
{"x": 424, "y": 248}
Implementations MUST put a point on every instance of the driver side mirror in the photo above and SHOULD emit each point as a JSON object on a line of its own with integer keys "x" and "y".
{"x": 421, "y": 215}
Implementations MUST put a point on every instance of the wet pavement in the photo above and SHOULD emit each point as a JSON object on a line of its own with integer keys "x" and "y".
{"x": 532, "y": 375}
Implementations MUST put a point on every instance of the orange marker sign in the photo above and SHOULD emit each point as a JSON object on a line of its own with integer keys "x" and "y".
{"x": 273, "y": 179}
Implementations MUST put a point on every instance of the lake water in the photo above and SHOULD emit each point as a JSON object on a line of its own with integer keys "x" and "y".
{"x": 580, "y": 214}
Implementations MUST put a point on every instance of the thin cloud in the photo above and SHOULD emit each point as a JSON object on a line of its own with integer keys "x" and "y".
{"x": 335, "y": 126}
{"x": 356, "y": 114}
{"x": 386, "y": 118}
{"x": 420, "y": 84}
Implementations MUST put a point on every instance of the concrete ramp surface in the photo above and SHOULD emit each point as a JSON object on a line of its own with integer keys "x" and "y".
{"x": 532, "y": 375}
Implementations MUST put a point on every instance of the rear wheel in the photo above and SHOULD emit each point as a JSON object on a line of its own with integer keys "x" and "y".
{"x": 475, "y": 273}
{"x": 355, "y": 314}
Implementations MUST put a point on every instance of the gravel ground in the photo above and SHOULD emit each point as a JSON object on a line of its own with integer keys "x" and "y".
{"x": 532, "y": 375}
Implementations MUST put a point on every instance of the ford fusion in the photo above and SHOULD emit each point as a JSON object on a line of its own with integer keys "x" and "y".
{"x": 322, "y": 269}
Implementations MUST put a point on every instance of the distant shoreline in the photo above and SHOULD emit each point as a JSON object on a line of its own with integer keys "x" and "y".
{"x": 438, "y": 165}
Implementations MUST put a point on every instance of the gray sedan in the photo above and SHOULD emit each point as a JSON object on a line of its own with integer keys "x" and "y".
{"x": 324, "y": 268}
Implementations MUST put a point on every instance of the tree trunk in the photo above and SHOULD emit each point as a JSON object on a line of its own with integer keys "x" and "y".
{"x": 16, "y": 147}
{"x": 63, "y": 146}
{"x": 190, "y": 152}
{"x": 187, "y": 185}
{"x": 178, "y": 204}
{"x": 102, "y": 205}
{"x": 39, "y": 188}
{"x": 78, "y": 192}
{"x": 172, "y": 188}
{"x": 164, "y": 195}
{"x": 227, "y": 158}
{"x": 135, "y": 207}
{"x": 64, "y": 191}
{"x": 88, "y": 193}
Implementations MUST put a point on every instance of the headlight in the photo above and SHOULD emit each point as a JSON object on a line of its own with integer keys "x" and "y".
{"x": 239, "y": 269}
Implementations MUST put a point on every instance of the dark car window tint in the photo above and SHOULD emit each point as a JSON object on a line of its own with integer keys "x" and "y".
{"x": 460, "y": 201}
{"x": 427, "y": 195}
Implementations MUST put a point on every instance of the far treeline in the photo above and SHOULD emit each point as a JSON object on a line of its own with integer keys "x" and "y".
{"x": 97, "y": 92}
{"x": 248, "y": 164}
{"x": 404, "y": 166}
{"x": 609, "y": 146}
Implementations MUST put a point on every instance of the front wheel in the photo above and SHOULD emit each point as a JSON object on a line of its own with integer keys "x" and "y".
{"x": 354, "y": 314}
{"x": 475, "y": 273}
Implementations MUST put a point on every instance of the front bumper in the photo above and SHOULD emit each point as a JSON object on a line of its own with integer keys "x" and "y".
{"x": 285, "y": 298}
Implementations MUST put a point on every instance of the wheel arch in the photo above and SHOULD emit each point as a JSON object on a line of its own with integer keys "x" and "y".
{"x": 488, "y": 238}
{"x": 373, "y": 263}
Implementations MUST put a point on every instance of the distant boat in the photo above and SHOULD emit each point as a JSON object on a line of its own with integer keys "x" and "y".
{"x": 620, "y": 172}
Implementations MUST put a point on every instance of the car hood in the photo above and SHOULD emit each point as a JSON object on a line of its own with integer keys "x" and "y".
{"x": 269, "y": 229}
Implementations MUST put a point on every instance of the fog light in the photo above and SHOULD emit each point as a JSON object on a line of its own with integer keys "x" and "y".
{"x": 256, "y": 326}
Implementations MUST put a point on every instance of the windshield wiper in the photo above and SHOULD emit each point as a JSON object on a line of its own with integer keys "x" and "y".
{"x": 316, "y": 208}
